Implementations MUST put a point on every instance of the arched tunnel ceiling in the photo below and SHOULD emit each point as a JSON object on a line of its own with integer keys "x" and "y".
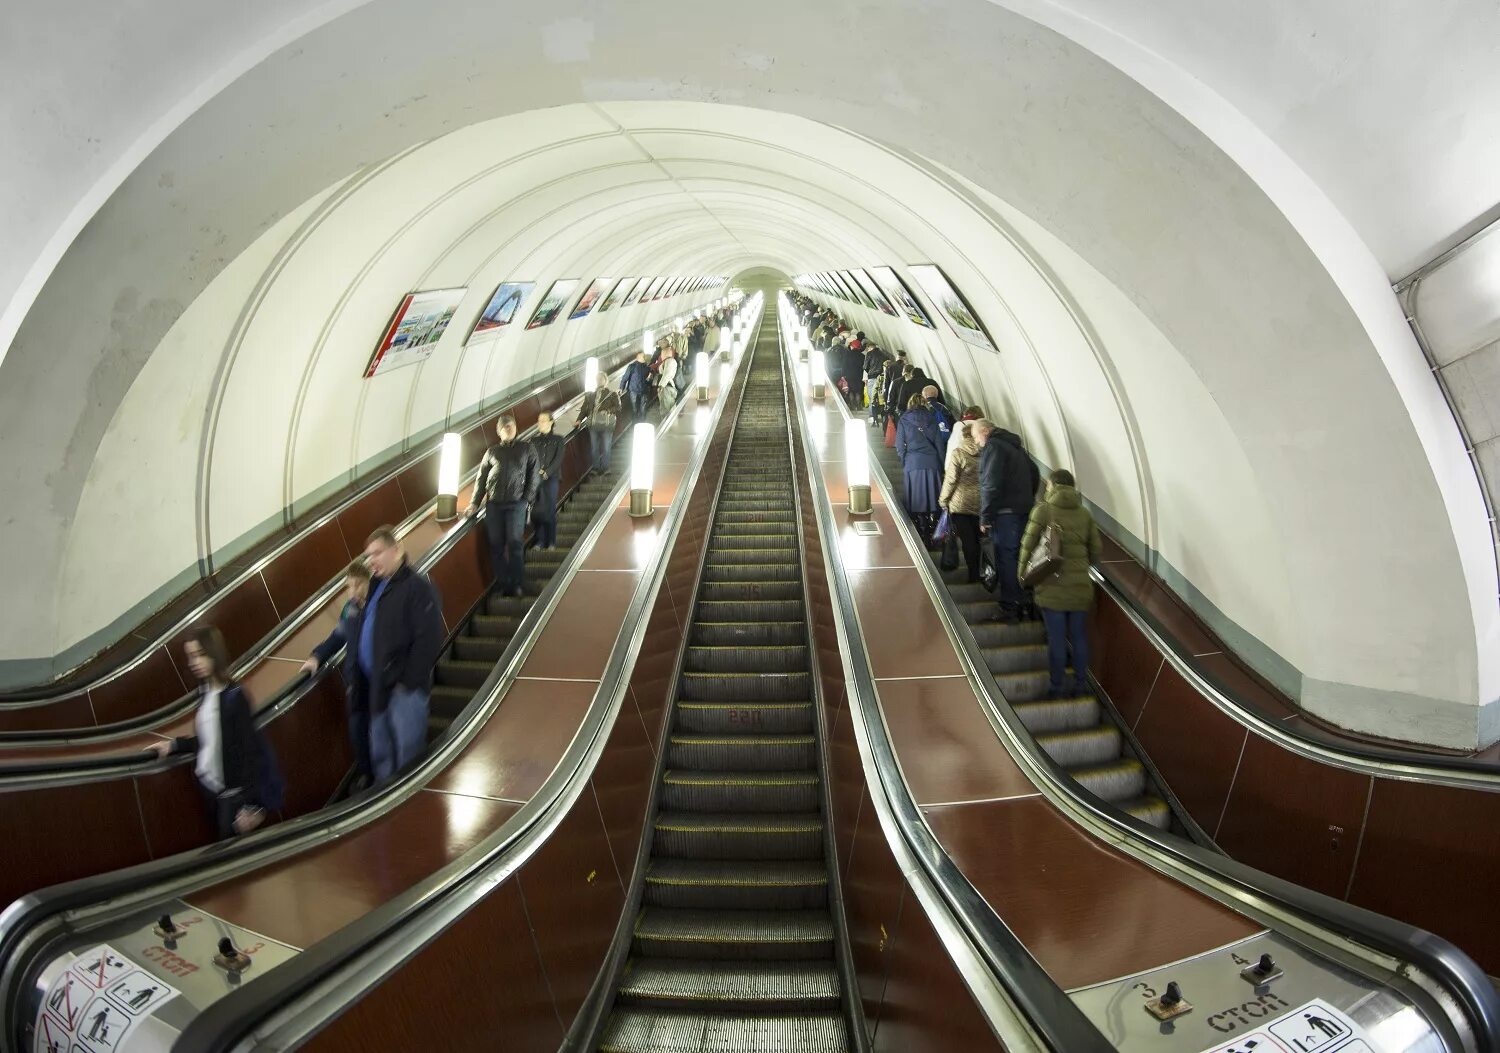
{"x": 249, "y": 253}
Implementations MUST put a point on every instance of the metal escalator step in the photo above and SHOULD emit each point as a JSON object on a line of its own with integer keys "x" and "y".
{"x": 1018, "y": 658}
{"x": 726, "y": 835}
{"x": 684, "y": 983}
{"x": 750, "y": 591}
{"x": 784, "y": 544}
{"x": 736, "y": 884}
{"x": 797, "y": 935}
{"x": 749, "y": 633}
{"x": 1061, "y": 714}
{"x": 972, "y": 592}
{"x": 454, "y": 673}
{"x": 549, "y": 557}
{"x": 766, "y": 516}
{"x": 1022, "y": 687}
{"x": 716, "y": 572}
{"x": 478, "y": 649}
{"x": 738, "y": 687}
{"x": 746, "y": 658}
{"x": 1121, "y": 780}
{"x": 739, "y": 611}
{"x": 977, "y": 611}
{"x": 1083, "y": 748}
{"x": 1149, "y": 809}
{"x": 989, "y": 632}
{"x": 739, "y": 792}
{"x": 744, "y": 716}
{"x": 741, "y": 752}
{"x": 447, "y": 702}
{"x": 436, "y": 725}
{"x": 749, "y": 557}
{"x": 498, "y": 626}
{"x": 508, "y": 606}
{"x": 752, "y": 528}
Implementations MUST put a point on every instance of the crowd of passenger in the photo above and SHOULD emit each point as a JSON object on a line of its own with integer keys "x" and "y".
{"x": 974, "y": 492}
{"x": 390, "y": 629}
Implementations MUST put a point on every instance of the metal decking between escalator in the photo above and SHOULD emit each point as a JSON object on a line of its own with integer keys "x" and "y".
{"x": 734, "y": 944}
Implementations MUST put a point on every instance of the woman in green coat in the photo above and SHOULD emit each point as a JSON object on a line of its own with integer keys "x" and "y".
{"x": 1066, "y": 596}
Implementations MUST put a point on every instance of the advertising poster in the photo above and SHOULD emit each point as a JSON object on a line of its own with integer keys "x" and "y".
{"x": 869, "y": 288}
{"x": 589, "y": 298}
{"x": 639, "y": 292}
{"x": 653, "y": 289}
{"x": 957, "y": 310}
{"x": 859, "y": 294}
{"x": 616, "y": 294}
{"x": 552, "y": 304}
{"x": 503, "y": 307}
{"x": 414, "y": 331}
{"x": 891, "y": 284}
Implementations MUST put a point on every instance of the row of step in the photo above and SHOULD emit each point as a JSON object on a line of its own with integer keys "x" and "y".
{"x": 1077, "y": 732}
{"x": 733, "y": 945}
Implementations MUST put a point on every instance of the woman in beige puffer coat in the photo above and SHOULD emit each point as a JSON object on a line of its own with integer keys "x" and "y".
{"x": 960, "y": 494}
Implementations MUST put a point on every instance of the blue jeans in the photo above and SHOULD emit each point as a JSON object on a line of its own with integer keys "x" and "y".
{"x": 1065, "y": 628}
{"x": 399, "y": 734}
{"x": 1005, "y": 534}
{"x": 505, "y": 526}
{"x": 601, "y": 442}
{"x": 544, "y": 516}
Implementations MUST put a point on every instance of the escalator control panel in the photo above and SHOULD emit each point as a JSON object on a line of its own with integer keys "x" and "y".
{"x": 1264, "y": 994}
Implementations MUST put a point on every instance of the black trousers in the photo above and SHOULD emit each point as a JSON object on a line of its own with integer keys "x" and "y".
{"x": 544, "y": 515}
{"x": 967, "y": 529}
{"x": 222, "y": 808}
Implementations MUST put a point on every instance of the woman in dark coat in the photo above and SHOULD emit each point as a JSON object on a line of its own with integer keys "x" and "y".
{"x": 922, "y": 453}
{"x": 233, "y": 761}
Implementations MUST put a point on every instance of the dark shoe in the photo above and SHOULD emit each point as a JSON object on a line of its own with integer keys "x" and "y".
{"x": 516, "y": 592}
{"x": 1010, "y": 616}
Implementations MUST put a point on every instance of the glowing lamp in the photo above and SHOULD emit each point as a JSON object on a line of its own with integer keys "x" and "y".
{"x": 447, "y": 495}
{"x": 590, "y": 374}
{"x": 819, "y": 374}
{"x": 642, "y": 468}
{"x": 700, "y": 372}
{"x": 857, "y": 465}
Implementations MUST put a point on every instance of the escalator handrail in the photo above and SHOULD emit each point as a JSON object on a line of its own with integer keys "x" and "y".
{"x": 328, "y": 970}
{"x": 1051, "y": 1014}
{"x": 21, "y": 775}
{"x": 12, "y": 699}
{"x": 21, "y": 924}
{"x": 1453, "y": 970}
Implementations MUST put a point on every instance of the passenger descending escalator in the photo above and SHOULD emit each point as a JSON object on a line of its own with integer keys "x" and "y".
{"x": 734, "y": 943}
{"x": 1078, "y": 732}
{"x": 477, "y": 647}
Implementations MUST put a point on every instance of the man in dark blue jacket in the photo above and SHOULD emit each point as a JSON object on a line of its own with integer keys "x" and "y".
{"x": 1008, "y": 484}
{"x": 357, "y": 708}
{"x": 399, "y": 638}
{"x": 636, "y": 386}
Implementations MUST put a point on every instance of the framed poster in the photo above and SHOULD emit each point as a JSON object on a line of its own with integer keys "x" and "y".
{"x": 616, "y": 294}
{"x": 860, "y": 295}
{"x": 589, "y": 298}
{"x": 503, "y": 307}
{"x": 870, "y": 289}
{"x": 653, "y": 289}
{"x": 552, "y": 304}
{"x": 891, "y": 284}
{"x": 669, "y": 290}
{"x": 951, "y": 302}
{"x": 666, "y": 285}
{"x": 414, "y": 330}
{"x": 638, "y": 292}
{"x": 843, "y": 285}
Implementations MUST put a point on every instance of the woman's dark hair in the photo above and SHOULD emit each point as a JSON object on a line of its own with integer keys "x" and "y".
{"x": 1062, "y": 477}
{"x": 211, "y": 642}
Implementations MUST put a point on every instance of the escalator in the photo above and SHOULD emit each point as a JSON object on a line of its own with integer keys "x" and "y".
{"x": 1080, "y": 733}
{"x": 476, "y": 648}
{"x": 734, "y": 945}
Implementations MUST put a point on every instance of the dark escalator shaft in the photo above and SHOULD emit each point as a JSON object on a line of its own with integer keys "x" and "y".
{"x": 734, "y": 945}
{"x": 480, "y": 643}
{"x": 1076, "y": 732}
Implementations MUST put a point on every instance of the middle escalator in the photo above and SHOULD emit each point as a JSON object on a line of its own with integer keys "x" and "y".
{"x": 734, "y": 945}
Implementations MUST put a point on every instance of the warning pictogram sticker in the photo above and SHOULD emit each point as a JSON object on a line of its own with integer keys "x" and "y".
{"x": 94, "y": 1004}
{"x": 1313, "y": 1028}
{"x": 66, "y": 1000}
{"x": 101, "y": 967}
{"x": 104, "y": 1026}
{"x": 140, "y": 992}
{"x": 52, "y": 1037}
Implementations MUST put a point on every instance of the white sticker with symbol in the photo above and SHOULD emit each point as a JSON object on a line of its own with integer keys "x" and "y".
{"x": 1316, "y": 1027}
{"x": 94, "y": 1004}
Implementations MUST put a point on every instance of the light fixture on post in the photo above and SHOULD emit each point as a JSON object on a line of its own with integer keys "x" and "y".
{"x": 726, "y": 340}
{"x": 447, "y": 492}
{"x": 590, "y": 374}
{"x": 700, "y": 375}
{"x": 818, "y": 374}
{"x": 642, "y": 468}
{"x": 857, "y": 465}
{"x": 648, "y": 342}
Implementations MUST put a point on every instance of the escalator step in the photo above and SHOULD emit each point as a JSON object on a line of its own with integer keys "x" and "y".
{"x": 499, "y": 626}
{"x": 1023, "y": 687}
{"x": 1121, "y": 780}
{"x": 1023, "y": 658}
{"x": 741, "y": 752}
{"x": 478, "y": 649}
{"x": 750, "y": 590}
{"x": 737, "y": 885}
{"x": 508, "y": 606}
{"x": 448, "y": 702}
{"x": 738, "y": 935}
{"x": 783, "y": 545}
{"x": 746, "y": 658}
{"x": 454, "y": 673}
{"x": 749, "y": 633}
{"x": 1150, "y": 809}
{"x": 754, "y": 528}
{"x": 762, "y": 517}
{"x": 721, "y": 835}
{"x": 1084, "y": 748}
{"x": 711, "y": 613}
{"x": 991, "y": 633}
{"x": 739, "y": 717}
{"x": 744, "y": 687}
{"x": 718, "y": 571}
{"x": 1063, "y": 714}
{"x": 739, "y": 792}
{"x": 779, "y": 987}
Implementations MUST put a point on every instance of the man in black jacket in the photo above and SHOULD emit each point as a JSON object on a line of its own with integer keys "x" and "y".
{"x": 399, "y": 638}
{"x": 549, "y": 448}
{"x": 507, "y": 488}
{"x": 1008, "y": 484}
{"x": 635, "y": 385}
